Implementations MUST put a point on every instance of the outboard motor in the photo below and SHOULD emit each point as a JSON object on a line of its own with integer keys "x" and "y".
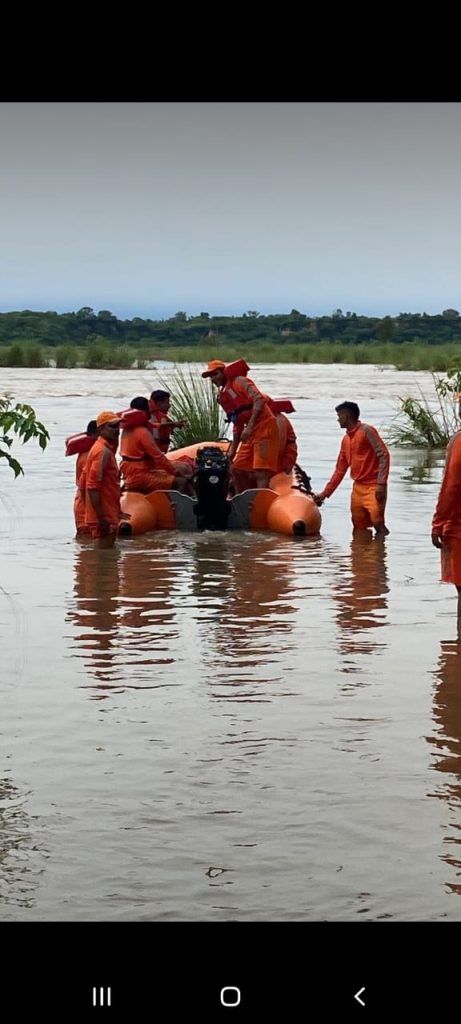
{"x": 211, "y": 483}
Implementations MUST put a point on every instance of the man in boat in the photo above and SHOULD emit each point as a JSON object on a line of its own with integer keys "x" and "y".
{"x": 288, "y": 447}
{"x": 364, "y": 452}
{"x": 446, "y": 522}
{"x": 144, "y": 467}
{"x": 102, "y": 482}
{"x": 163, "y": 425}
{"x": 255, "y": 427}
{"x": 80, "y": 477}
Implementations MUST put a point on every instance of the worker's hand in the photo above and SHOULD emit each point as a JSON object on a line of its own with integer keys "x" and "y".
{"x": 319, "y": 499}
{"x": 437, "y": 538}
{"x": 246, "y": 434}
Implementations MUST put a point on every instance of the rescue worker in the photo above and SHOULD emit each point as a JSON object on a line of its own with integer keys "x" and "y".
{"x": 159, "y": 405}
{"x": 144, "y": 467}
{"x": 255, "y": 427}
{"x": 102, "y": 481}
{"x": 364, "y": 452}
{"x": 446, "y": 522}
{"x": 79, "y": 500}
{"x": 288, "y": 447}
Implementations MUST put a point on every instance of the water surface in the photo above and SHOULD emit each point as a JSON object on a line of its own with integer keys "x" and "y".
{"x": 227, "y": 726}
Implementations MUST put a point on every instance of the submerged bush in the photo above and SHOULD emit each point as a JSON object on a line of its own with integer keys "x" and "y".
{"x": 419, "y": 425}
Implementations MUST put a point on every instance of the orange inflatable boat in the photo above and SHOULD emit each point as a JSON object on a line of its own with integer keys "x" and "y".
{"x": 284, "y": 507}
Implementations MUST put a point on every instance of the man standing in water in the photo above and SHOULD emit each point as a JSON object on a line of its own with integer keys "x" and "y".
{"x": 102, "y": 510}
{"x": 364, "y": 452}
{"x": 446, "y": 522}
{"x": 80, "y": 476}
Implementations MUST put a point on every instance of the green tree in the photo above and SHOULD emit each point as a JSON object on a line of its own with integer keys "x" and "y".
{"x": 385, "y": 329}
{"x": 19, "y": 419}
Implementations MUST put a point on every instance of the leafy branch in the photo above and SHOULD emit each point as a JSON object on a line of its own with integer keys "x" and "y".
{"x": 19, "y": 420}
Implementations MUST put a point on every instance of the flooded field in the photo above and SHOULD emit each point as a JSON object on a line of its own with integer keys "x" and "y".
{"x": 227, "y": 726}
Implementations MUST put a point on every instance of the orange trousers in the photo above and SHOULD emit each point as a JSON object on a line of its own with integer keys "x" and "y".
{"x": 262, "y": 452}
{"x": 450, "y": 559}
{"x": 145, "y": 480}
{"x": 365, "y": 510}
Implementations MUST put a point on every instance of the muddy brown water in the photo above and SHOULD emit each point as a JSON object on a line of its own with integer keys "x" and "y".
{"x": 227, "y": 726}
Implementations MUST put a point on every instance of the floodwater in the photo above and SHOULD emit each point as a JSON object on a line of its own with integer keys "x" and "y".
{"x": 227, "y": 726}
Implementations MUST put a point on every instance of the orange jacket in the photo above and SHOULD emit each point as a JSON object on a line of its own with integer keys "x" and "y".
{"x": 288, "y": 451}
{"x": 80, "y": 480}
{"x": 102, "y": 474}
{"x": 241, "y": 393}
{"x": 162, "y": 428}
{"x": 447, "y": 515}
{"x": 80, "y": 470}
{"x": 138, "y": 445}
{"x": 364, "y": 451}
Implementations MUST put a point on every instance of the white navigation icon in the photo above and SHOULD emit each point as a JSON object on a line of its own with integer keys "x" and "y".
{"x": 102, "y": 997}
{"x": 230, "y": 995}
{"x": 358, "y": 994}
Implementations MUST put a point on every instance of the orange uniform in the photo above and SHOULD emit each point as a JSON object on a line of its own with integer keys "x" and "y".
{"x": 262, "y": 450}
{"x": 144, "y": 467}
{"x": 288, "y": 447}
{"x": 163, "y": 427}
{"x": 102, "y": 474}
{"x": 79, "y": 500}
{"x": 447, "y": 515}
{"x": 364, "y": 452}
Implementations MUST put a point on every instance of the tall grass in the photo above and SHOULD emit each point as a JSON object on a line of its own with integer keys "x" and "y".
{"x": 194, "y": 400}
{"x": 66, "y": 357}
{"x": 101, "y": 354}
{"x": 28, "y": 354}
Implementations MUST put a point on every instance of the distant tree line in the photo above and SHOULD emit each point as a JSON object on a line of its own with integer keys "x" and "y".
{"x": 85, "y": 328}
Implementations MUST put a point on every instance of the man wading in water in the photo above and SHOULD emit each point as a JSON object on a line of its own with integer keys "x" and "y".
{"x": 364, "y": 451}
{"x": 446, "y": 522}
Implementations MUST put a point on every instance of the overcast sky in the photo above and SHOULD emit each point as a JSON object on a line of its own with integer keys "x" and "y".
{"x": 149, "y": 208}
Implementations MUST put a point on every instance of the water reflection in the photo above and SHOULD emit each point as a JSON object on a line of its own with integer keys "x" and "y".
{"x": 124, "y": 600}
{"x": 419, "y": 468}
{"x": 447, "y": 741}
{"x": 243, "y": 592}
{"x": 17, "y": 849}
{"x": 360, "y": 593}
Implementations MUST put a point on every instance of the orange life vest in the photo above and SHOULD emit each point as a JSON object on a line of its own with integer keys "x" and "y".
{"x": 232, "y": 403}
{"x": 131, "y": 418}
{"x": 78, "y": 443}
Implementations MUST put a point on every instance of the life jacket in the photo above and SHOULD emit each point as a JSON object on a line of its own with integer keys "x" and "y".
{"x": 78, "y": 443}
{"x": 131, "y": 418}
{"x": 232, "y": 404}
{"x": 240, "y": 368}
{"x": 237, "y": 369}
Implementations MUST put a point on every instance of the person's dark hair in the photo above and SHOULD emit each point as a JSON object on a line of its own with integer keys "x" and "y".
{"x": 140, "y": 403}
{"x": 351, "y": 407}
{"x": 159, "y": 395}
{"x": 92, "y": 428}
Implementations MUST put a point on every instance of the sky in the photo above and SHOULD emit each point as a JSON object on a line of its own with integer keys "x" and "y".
{"x": 145, "y": 209}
